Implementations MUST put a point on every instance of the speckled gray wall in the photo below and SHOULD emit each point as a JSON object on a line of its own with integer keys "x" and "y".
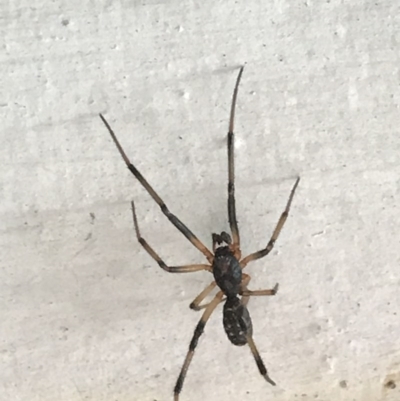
{"x": 86, "y": 314}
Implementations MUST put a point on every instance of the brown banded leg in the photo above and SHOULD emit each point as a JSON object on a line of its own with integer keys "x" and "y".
{"x": 195, "y": 305}
{"x": 172, "y": 218}
{"x": 193, "y": 343}
{"x": 154, "y": 255}
{"x": 201, "y": 307}
{"x": 231, "y": 169}
{"x": 259, "y": 361}
{"x": 245, "y": 282}
{"x": 249, "y": 293}
{"x": 275, "y": 234}
{"x": 246, "y": 293}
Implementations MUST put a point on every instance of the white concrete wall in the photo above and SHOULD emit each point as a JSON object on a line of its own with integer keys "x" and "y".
{"x": 85, "y": 313}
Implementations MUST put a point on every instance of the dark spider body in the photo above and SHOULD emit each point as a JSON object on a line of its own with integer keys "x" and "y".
{"x": 227, "y": 271}
{"x": 228, "y": 276}
{"x": 237, "y": 321}
{"x": 225, "y": 262}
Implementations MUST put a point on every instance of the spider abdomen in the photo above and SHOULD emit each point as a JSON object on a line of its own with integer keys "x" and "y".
{"x": 227, "y": 272}
{"x": 237, "y": 321}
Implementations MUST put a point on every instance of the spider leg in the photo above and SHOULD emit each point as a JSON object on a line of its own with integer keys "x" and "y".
{"x": 245, "y": 282}
{"x": 259, "y": 361}
{"x": 275, "y": 234}
{"x": 231, "y": 168}
{"x": 195, "y": 305}
{"x": 201, "y": 307}
{"x": 172, "y": 218}
{"x": 249, "y": 293}
{"x": 193, "y": 343}
{"x": 154, "y": 255}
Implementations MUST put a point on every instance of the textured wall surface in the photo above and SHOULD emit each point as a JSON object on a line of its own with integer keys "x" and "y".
{"x": 86, "y": 314}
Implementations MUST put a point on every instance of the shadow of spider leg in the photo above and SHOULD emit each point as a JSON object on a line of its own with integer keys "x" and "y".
{"x": 172, "y": 218}
{"x": 275, "y": 234}
{"x": 154, "y": 255}
{"x": 193, "y": 343}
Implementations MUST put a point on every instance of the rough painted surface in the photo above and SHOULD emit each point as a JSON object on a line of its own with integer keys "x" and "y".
{"x": 85, "y": 313}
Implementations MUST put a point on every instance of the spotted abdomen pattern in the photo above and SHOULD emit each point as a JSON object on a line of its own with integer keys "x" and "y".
{"x": 237, "y": 321}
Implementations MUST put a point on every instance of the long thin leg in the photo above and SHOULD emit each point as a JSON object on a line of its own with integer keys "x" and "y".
{"x": 154, "y": 255}
{"x": 259, "y": 362}
{"x": 193, "y": 343}
{"x": 275, "y": 234}
{"x": 231, "y": 168}
{"x": 172, "y": 218}
{"x": 195, "y": 305}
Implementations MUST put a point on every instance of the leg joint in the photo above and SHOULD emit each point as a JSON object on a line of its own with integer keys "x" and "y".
{"x": 163, "y": 265}
{"x": 197, "y": 333}
{"x": 164, "y": 209}
{"x": 179, "y": 384}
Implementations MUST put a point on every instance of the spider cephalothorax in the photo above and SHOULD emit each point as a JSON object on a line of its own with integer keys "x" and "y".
{"x": 227, "y": 271}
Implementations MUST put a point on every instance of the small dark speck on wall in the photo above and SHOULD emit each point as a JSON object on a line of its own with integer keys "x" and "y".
{"x": 390, "y": 384}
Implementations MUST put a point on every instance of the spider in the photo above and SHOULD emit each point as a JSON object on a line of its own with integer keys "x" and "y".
{"x": 224, "y": 262}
